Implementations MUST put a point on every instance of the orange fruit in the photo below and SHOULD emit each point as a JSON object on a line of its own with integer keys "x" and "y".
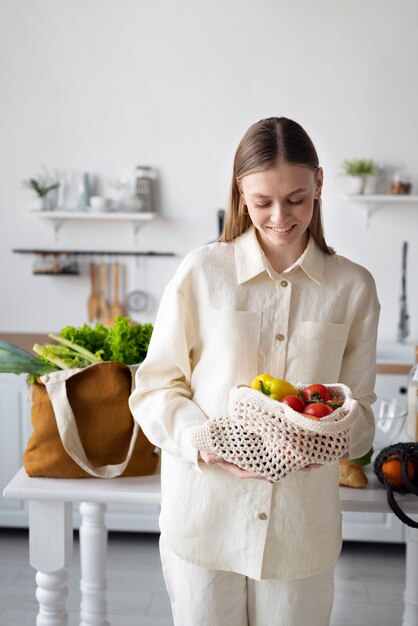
{"x": 392, "y": 469}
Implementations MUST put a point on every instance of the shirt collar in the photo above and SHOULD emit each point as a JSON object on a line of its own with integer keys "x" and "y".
{"x": 250, "y": 260}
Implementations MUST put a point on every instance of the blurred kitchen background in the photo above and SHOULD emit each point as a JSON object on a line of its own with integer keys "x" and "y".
{"x": 95, "y": 92}
{"x": 101, "y": 87}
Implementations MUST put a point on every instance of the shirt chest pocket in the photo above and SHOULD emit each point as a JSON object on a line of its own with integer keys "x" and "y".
{"x": 320, "y": 351}
{"x": 231, "y": 345}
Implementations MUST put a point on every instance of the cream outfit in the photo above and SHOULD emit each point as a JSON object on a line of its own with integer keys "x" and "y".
{"x": 225, "y": 317}
{"x": 204, "y": 597}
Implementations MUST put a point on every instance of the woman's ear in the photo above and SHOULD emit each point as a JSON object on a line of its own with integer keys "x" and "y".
{"x": 319, "y": 181}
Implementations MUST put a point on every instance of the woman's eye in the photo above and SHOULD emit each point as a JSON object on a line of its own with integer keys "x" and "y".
{"x": 262, "y": 206}
{"x": 293, "y": 202}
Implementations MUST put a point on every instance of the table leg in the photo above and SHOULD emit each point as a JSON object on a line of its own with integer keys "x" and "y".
{"x": 410, "y": 616}
{"x": 93, "y": 547}
{"x": 50, "y": 550}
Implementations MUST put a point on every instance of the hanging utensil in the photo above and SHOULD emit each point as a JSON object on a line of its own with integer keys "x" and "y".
{"x": 93, "y": 299}
{"x": 104, "y": 315}
{"x": 403, "y": 325}
{"x": 137, "y": 300}
{"x": 116, "y": 307}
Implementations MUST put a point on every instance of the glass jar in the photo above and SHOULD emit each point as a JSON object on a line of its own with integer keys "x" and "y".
{"x": 145, "y": 187}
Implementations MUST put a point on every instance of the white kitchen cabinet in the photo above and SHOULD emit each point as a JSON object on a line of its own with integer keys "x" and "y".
{"x": 14, "y": 432}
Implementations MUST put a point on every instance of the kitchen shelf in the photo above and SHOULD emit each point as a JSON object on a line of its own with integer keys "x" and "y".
{"x": 373, "y": 202}
{"x": 59, "y": 217}
{"x": 54, "y": 251}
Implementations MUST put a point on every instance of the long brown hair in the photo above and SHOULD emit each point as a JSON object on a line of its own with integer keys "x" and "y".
{"x": 266, "y": 143}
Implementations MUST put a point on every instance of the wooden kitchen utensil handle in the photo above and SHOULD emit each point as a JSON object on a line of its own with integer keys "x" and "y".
{"x": 93, "y": 300}
{"x": 104, "y": 310}
{"x": 116, "y": 308}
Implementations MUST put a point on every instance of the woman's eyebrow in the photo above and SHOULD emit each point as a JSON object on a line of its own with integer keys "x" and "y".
{"x": 291, "y": 193}
{"x": 298, "y": 190}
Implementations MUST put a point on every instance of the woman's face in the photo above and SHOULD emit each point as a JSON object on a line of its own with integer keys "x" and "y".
{"x": 280, "y": 204}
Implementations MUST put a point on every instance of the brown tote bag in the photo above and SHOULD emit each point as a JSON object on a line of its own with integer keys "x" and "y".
{"x": 83, "y": 426}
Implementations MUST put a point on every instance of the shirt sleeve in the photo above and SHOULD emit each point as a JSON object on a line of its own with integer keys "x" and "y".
{"x": 162, "y": 399}
{"x": 358, "y": 372}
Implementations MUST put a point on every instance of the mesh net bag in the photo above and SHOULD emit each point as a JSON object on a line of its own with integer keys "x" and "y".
{"x": 268, "y": 437}
{"x": 406, "y": 453}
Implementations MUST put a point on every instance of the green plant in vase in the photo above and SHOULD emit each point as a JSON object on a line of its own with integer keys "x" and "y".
{"x": 43, "y": 185}
{"x": 360, "y": 171}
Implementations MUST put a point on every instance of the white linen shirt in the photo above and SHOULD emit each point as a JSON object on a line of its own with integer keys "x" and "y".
{"x": 225, "y": 317}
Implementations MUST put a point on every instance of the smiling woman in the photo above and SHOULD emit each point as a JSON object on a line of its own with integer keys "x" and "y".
{"x": 269, "y": 296}
{"x": 280, "y": 203}
{"x": 276, "y": 168}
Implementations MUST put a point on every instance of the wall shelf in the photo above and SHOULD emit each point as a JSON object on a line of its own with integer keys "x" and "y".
{"x": 58, "y": 218}
{"x": 373, "y": 202}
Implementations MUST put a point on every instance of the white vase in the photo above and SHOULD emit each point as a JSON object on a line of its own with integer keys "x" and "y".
{"x": 357, "y": 184}
{"x": 37, "y": 204}
{"x": 371, "y": 184}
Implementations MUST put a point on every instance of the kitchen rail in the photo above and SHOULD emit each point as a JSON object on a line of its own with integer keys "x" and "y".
{"x": 92, "y": 252}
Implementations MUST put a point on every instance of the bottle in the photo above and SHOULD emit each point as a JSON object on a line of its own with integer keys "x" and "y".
{"x": 412, "y": 418}
{"x": 83, "y": 192}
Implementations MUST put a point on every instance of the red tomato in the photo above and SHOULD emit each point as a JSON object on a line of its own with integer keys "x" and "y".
{"x": 317, "y": 409}
{"x": 316, "y": 393}
{"x": 296, "y": 403}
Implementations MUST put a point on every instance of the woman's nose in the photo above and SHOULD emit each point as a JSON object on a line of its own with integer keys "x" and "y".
{"x": 278, "y": 212}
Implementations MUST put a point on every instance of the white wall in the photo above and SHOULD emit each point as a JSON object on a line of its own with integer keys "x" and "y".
{"x": 102, "y": 85}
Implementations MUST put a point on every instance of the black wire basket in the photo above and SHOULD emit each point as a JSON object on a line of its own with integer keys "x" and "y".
{"x": 406, "y": 453}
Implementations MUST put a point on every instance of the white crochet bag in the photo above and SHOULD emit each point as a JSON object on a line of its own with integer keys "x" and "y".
{"x": 268, "y": 437}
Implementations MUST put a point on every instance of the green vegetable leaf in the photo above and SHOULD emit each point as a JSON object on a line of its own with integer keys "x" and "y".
{"x": 73, "y": 347}
{"x": 365, "y": 459}
{"x": 127, "y": 342}
{"x": 88, "y": 337}
{"x": 14, "y": 360}
{"x": 316, "y": 399}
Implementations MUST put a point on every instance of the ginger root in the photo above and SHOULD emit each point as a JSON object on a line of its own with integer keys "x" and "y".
{"x": 351, "y": 475}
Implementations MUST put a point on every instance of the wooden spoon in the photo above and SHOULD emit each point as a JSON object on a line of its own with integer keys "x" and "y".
{"x": 104, "y": 309}
{"x": 93, "y": 299}
{"x": 116, "y": 307}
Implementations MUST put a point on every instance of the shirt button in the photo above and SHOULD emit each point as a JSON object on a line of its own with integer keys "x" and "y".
{"x": 283, "y": 283}
{"x": 262, "y": 516}
{"x": 280, "y": 337}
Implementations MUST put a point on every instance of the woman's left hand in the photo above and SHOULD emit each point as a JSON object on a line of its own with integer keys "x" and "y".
{"x": 212, "y": 459}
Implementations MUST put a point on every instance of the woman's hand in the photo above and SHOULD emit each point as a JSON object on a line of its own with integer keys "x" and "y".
{"x": 314, "y": 465}
{"x": 212, "y": 459}
{"x": 306, "y": 468}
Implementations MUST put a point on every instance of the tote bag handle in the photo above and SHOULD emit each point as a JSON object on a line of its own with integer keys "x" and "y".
{"x": 67, "y": 425}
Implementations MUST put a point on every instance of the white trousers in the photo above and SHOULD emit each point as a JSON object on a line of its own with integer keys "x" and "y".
{"x": 203, "y": 597}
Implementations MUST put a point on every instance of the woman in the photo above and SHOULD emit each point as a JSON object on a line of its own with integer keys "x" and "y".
{"x": 270, "y": 296}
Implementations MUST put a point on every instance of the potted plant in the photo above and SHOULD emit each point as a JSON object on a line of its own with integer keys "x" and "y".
{"x": 361, "y": 171}
{"x": 43, "y": 185}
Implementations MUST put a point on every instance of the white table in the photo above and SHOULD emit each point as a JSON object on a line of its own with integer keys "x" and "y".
{"x": 51, "y": 537}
